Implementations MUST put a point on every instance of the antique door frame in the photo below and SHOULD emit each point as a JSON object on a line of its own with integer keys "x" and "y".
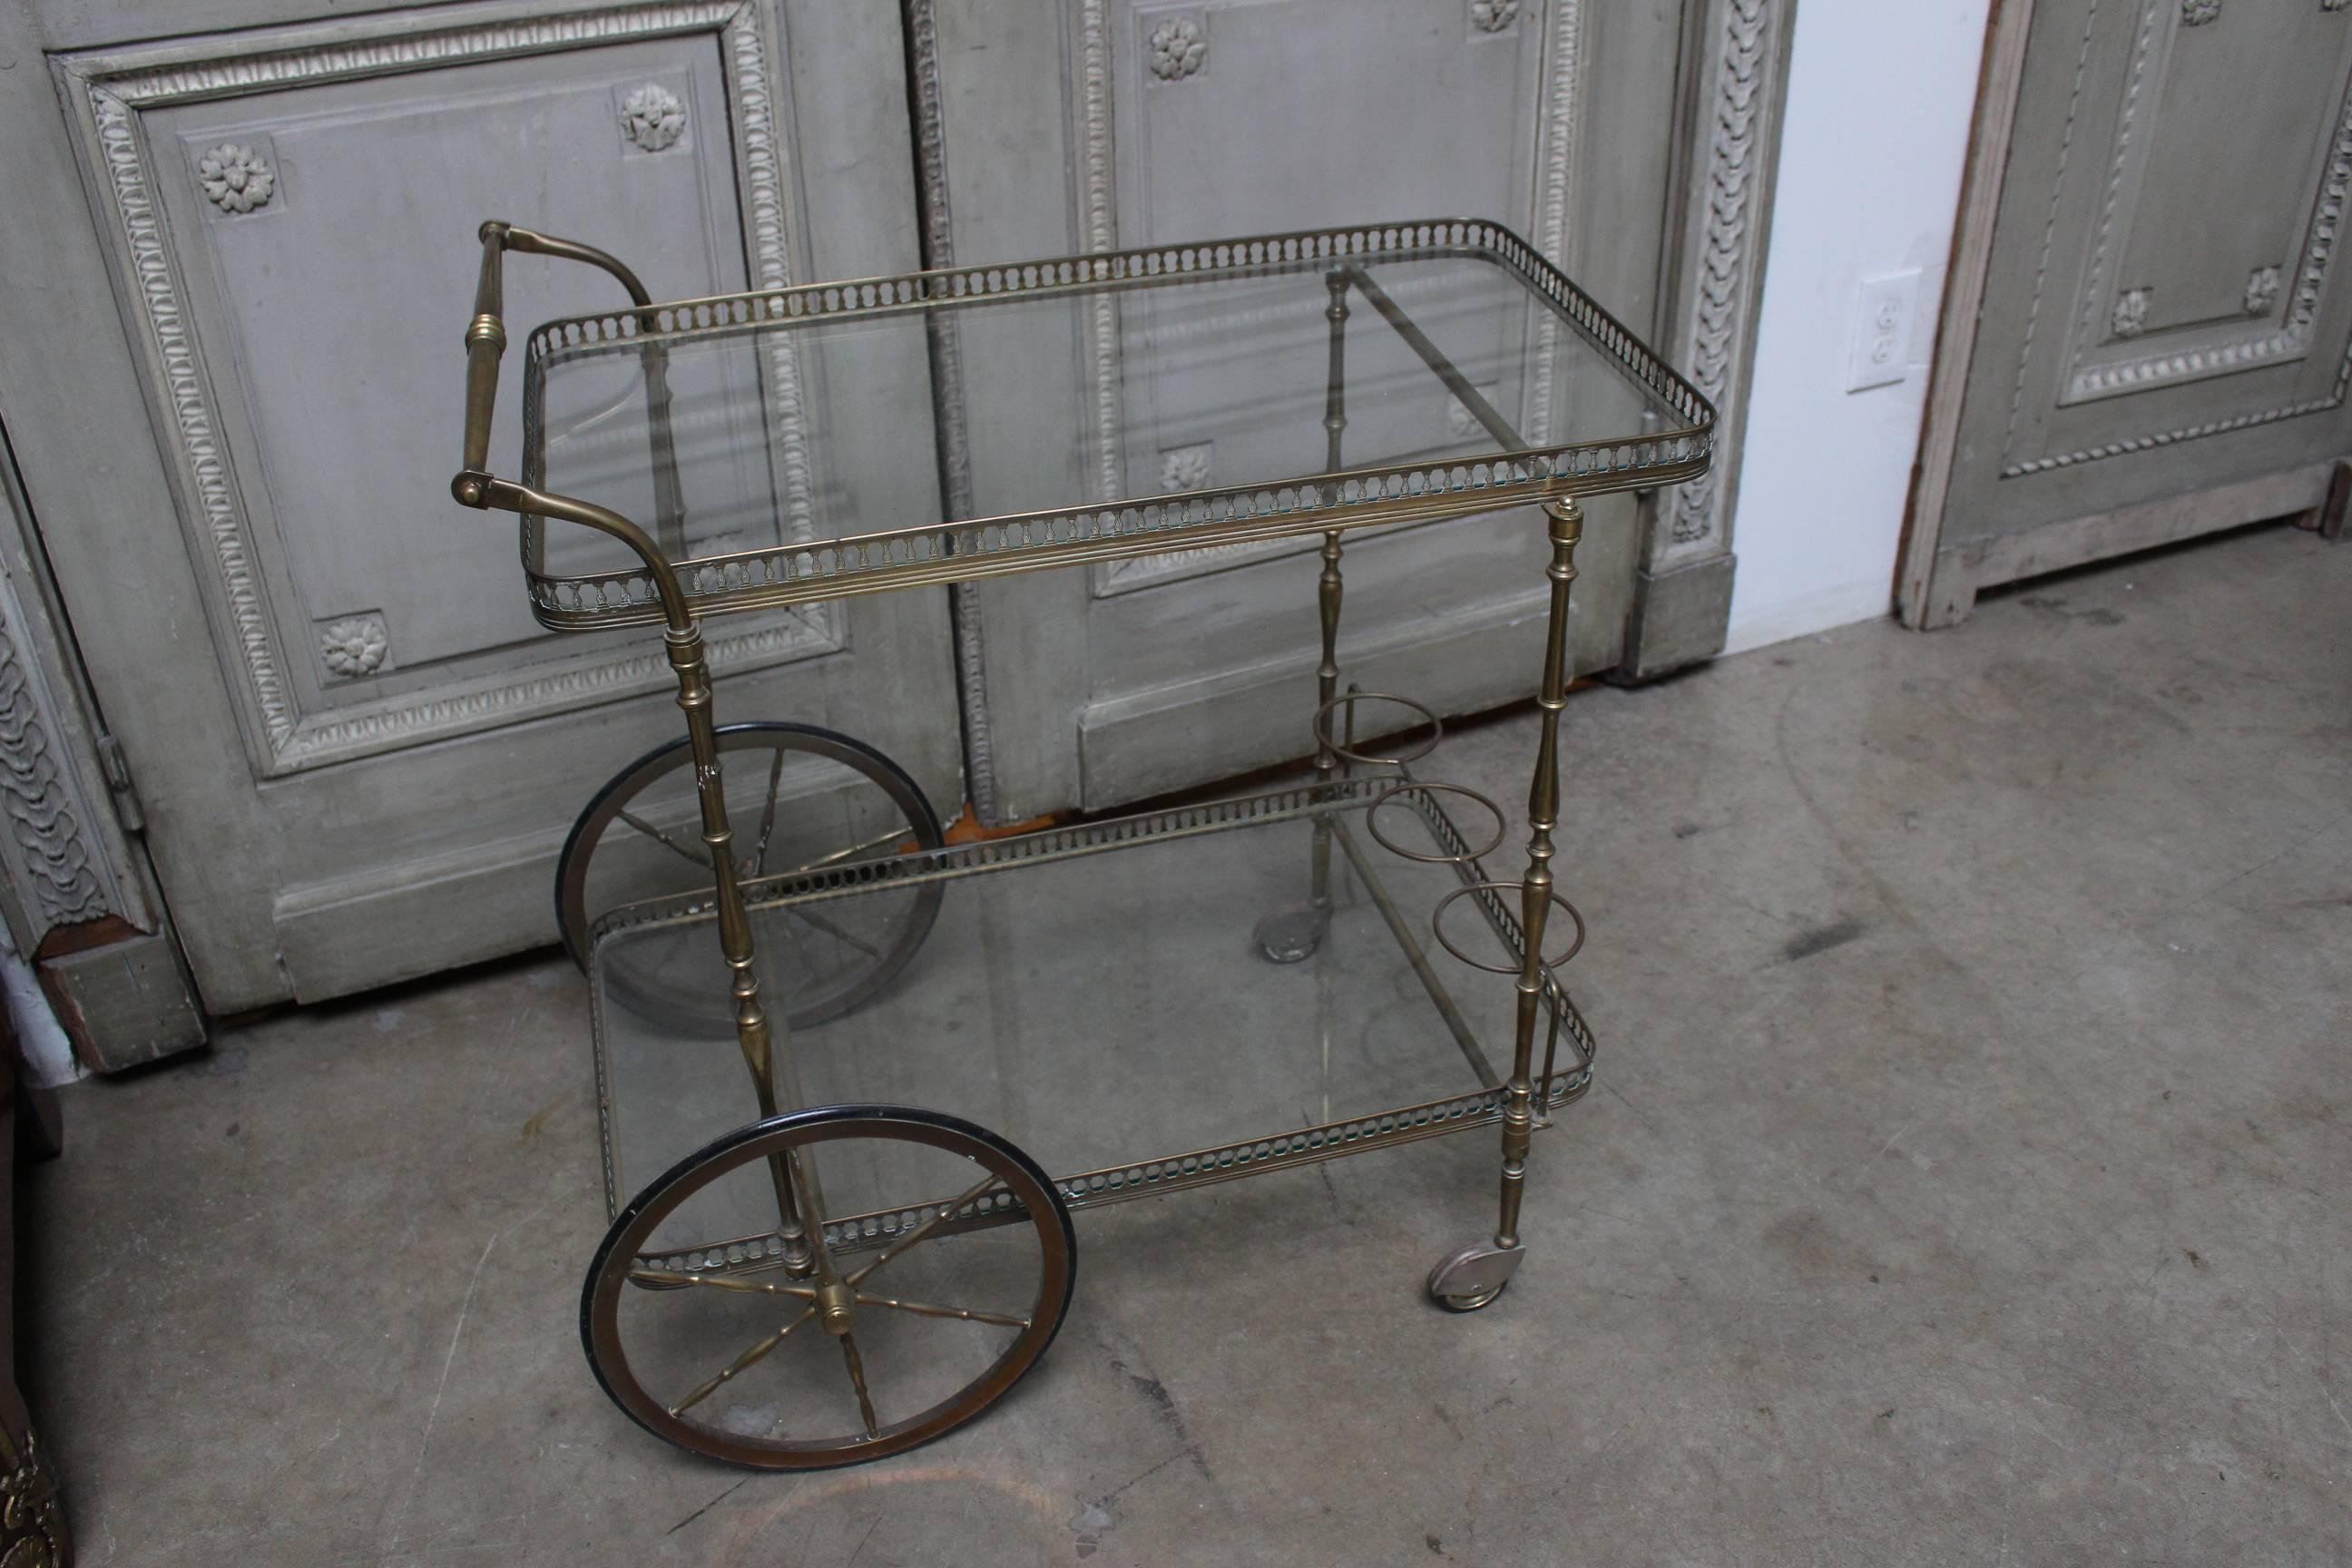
{"x": 117, "y": 426}
{"x": 1733, "y": 84}
{"x": 1734, "y": 93}
{"x": 79, "y": 901}
{"x": 1937, "y": 583}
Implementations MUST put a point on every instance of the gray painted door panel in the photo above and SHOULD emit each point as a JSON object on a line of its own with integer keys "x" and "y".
{"x": 1187, "y": 121}
{"x": 358, "y": 751}
{"x": 2163, "y": 314}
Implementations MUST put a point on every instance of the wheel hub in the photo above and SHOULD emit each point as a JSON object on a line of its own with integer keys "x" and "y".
{"x": 836, "y": 1306}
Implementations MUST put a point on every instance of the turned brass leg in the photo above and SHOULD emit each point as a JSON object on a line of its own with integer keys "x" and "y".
{"x": 1472, "y": 1276}
{"x": 1289, "y": 935}
{"x": 1329, "y": 588}
{"x": 753, "y": 1031}
{"x": 1567, "y": 526}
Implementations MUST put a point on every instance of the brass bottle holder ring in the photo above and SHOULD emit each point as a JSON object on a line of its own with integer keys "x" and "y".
{"x": 1437, "y": 927}
{"x": 1349, "y": 700}
{"x": 1462, "y": 858}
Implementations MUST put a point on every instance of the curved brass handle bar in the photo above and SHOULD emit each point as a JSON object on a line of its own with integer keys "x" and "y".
{"x": 538, "y": 244}
{"x": 482, "y": 492}
{"x": 486, "y": 343}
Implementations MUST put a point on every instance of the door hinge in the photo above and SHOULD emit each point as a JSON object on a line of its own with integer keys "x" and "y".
{"x": 117, "y": 768}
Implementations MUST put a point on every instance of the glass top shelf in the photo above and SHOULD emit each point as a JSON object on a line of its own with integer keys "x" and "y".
{"x": 814, "y": 442}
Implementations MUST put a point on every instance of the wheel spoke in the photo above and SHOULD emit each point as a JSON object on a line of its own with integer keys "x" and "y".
{"x": 768, "y": 814}
{"x": 896, "y": 835}
{"x": 759, "y": 1349}
{"x": 721, "y": 1282}
{"x": 838, "y": 934}
{"x": 856, "y": 1365}
{"x": 928, "y": 1310}
{"x": 800, "y": 951}
{"x": 698, "y": 855}
{"x": 794, "y": 1416}
{"x": 972, "y": 1195}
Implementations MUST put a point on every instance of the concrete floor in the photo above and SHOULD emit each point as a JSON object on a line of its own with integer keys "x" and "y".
{"x": 1966, "y": 1183}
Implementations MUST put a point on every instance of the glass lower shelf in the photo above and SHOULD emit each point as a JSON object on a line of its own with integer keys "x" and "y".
{"x": 1112, "y": 1008}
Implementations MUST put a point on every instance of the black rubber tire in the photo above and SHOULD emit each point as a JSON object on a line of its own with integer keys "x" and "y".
{"x": 573, "y": 919}
{"x": 1040, "y": 1205}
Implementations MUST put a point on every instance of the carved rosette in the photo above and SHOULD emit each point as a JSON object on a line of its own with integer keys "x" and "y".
{"x": 1492, "y": 15}
{"x": 2197, "y": 13}
{"x": 1185, "y": 467}
{"x": 2130, "y": 317}
{"x": 354, "y": 646}
{"x": 652, "y": 118}
{"x": 236, "y": 178}
{"x": 2262, "y": 291}
{"x": 1178, "y": 48}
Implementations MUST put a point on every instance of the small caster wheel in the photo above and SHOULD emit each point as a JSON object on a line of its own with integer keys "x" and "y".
{"x": 1473, "y": 1276}
{"x": 1467, "y": 1303}
{"x": 1292, "y": 935}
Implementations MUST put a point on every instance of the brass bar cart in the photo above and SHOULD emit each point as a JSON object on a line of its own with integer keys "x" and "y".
{"x": 860, "y": 1265}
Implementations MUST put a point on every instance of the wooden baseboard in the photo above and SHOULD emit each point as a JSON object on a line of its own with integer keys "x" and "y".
{"x": 1964, "y": 570}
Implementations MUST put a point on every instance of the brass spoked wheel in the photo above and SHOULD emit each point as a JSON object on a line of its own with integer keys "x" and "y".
{"x": 843, "y": 1284}
{"x": 798, "y": 797}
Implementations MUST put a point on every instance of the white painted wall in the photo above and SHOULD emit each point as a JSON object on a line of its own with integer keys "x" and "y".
{"x": 1880, "y": 98}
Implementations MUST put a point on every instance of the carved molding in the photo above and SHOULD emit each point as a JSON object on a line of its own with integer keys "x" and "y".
{"x": 116, "y": 85}
{"x": 236, "y": 178}
{"x": 1098, "y": 224}
{"x": 948, "y": 407}
{"x": 1556, "y": 188}
{"x": 55, "y": 862}
{"x": 1740, "y": 104}
{"x": 255, "y": 64}
{"x": 2182, "y": 433}
{"x": 766, "y": 184}
{"x": 652, "y": 118}
{"x": 63, "y": 858}
{"x": 2049, "y": 226}
{"x": 189, "y": 403}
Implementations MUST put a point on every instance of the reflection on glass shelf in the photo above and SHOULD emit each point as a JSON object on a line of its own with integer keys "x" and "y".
{"x": 806, "y": 430}
{"x": 1106, "y": 1008}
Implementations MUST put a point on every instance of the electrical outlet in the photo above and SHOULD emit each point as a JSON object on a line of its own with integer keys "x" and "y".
{"x": 1882, "y": 330}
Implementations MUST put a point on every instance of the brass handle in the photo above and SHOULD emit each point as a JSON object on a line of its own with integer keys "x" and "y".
{"x": 486, "y": 343}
